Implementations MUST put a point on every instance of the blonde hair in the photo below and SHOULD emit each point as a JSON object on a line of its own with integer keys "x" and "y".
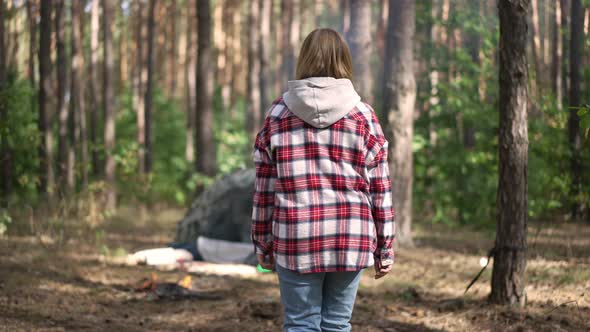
{"x": 324, "y": 53}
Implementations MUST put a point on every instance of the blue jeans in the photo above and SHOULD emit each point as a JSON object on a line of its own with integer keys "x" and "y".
{"x": 317, "y": 301}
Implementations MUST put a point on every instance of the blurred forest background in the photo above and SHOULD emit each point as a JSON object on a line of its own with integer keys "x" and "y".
{"x": 116, "y": 114}
{"x": 117, "y": 102}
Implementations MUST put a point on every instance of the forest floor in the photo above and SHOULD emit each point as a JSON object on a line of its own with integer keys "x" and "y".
{"x": 63, "y": 283}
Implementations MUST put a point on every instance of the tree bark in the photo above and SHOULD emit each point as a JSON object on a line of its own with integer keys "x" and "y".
{"x": 138, "y": 81}
{"x": 512, "y": 201}
{"x": 148, "y": 97}
{"x": 32, "y": 27}
{"x": 109, "y": 104}
{"x": 557, "y": 55}
{"x": 94, "y": 86}
{"x": 78, "y": 92}
{"x": 5, "y": 155}
{"x": 63, "y": 94}
{"x": 574, "y": 138}
{"x": 399, "y": 97}
{"x": 191, "y": 70}
{"x": 537, "y": 50}
{"x": 46, "y": 174}
{"x": 345, "y": 20}
{"x": 264, "y": 46}
{"x": 206, "y": 154}
{"x": 253, "y": 117}
{"x": 360, "y": 41}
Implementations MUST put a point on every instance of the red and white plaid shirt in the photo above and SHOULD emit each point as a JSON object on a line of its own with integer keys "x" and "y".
{"x": 322, "y": 199}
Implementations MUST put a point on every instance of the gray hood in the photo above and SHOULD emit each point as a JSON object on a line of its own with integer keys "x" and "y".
{"x": 321, "y": 101}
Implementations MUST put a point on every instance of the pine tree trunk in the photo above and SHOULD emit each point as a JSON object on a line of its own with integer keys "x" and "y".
{"x": 264, "y": 46}
{"x": 576, "y": 51}
{"x": 206, "y": 154}
{"x": 399, "y": 97}
{"x": 253, "y": 118}
{"x": 109, "y": 104}
{"x": 32, "y": 27}
{"x": 511, "y": 200}
{"x": 63, "y": 94}
{"x": 148, "y": 97}
{"x": 557, "y": 56}
{"x": 5, "y": 155}
{"x": 191, "y": 88}
{"x": 94, "y": 86}
{"x": 345, "y": 19}
{"x": 138, "y": 82}
{"x": 537, "y": 51}
{"x": 46, "y": 175}
{"x": 360, "y": 41}
{"x": 78, "y": 88}
{"x": 565, "y": 29}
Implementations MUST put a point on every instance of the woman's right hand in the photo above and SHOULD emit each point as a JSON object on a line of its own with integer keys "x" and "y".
{"x": 381, "y": 271}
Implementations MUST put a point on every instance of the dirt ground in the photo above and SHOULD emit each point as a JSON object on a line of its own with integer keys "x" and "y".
{"x": 62, "y": 282}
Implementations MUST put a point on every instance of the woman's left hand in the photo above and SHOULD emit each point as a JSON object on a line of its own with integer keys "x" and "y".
{"x": 270, "y": 264}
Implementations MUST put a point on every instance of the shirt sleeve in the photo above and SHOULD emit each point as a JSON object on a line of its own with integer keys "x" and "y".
{"x": 380, "y": 190}
{"x": 264, "y": 193}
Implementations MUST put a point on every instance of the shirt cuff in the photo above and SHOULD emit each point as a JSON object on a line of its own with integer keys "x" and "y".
{"x": 261, "y": 249}
{"x": 385, "y": 256}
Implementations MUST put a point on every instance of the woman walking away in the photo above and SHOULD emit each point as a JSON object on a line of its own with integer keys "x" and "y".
{"x": 322, "y": 203}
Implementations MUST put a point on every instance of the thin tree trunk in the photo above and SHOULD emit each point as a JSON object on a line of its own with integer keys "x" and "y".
{"x": 32, "y": 27}
{"x": 172, "y": 42}
{"x": 360, "y": 41}
{"x": 565, "y": 29}
{"x": 46, "y": 176}
{"x": 78, "y": 93}
{"x": 94, "y": 86}
{"x": 398, "y": 104}
{"x": 147, "y": 167}
{"x": 253, "y": 118}
{"x": 382, "y": 27}
{"x": 284, "y": 44}
{"x": 510, "y": 248}
{"x": 109, "y": 104}
{"x": 264, "y": 46}
{"x": 556, "y": 72}
{"x": 576, "y": 51}
{"x": 5, "y": 153}
{"x": 138, "y": 84}
{"x": 63, "y": 93}
{"x": 537, "y": 51}
{"x": 345, "y": 19}
{"x": 206, "y": 158}
{"x": 191, "y": 70}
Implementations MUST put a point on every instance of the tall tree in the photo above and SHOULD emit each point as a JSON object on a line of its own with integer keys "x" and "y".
{"x": 32, "y": 27}
{"x": 46, "y": 175}
{"x": 264, "y": 46}
{"x": 108, "y": 103}
{"x": 399, "y": 98}
{"x": 148, "y": 104}
{"x": 4, "y": 148}
{"x": 191, "y": 88}
{"x": 63, "y": 92}
{"x": 511, "y": 199}
{"x": 557, "y": 55}
{"x": 576, "y": 51}
{"x": 78, "y": 93}
{"x": 253, "y": 117}
{"x": 345, "y": 19}
{"x": 206, "y": 158}
{"x": 94, "y": 85}
{"x": 360, "y": 41}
